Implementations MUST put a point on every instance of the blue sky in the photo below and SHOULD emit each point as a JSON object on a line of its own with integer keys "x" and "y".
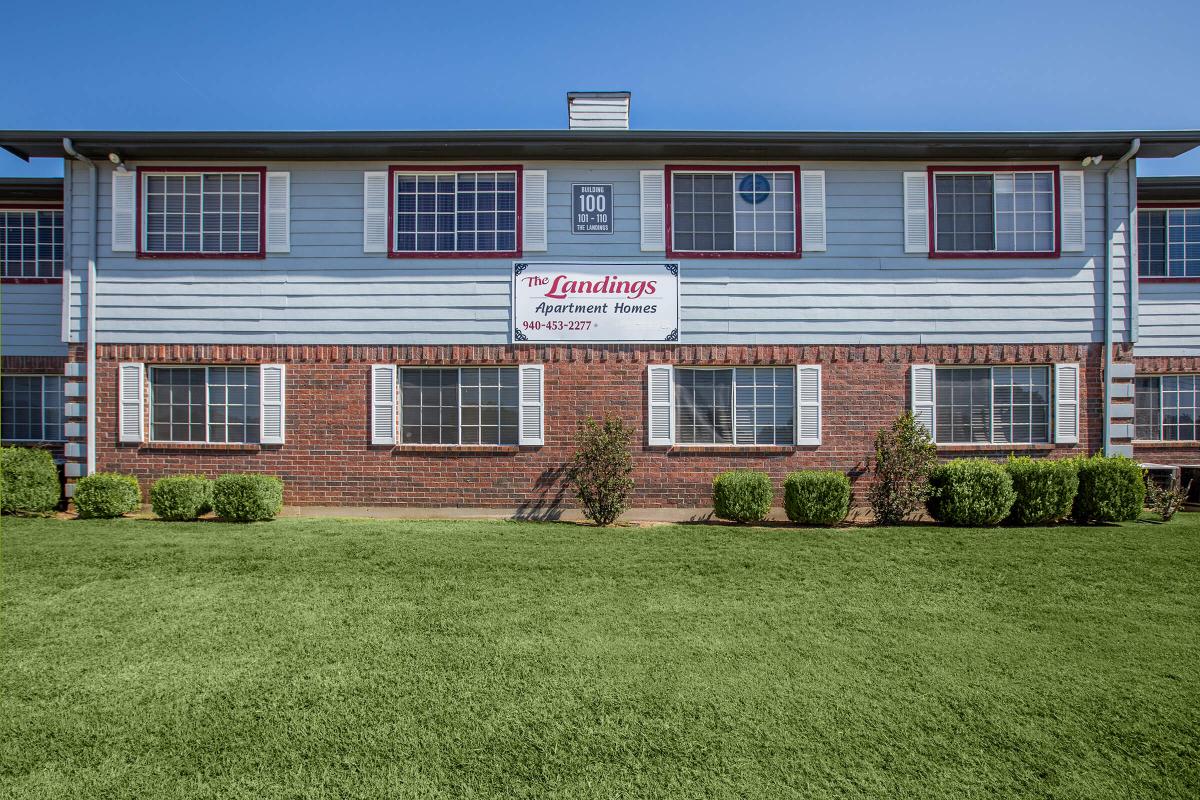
{"x": 846, "y": 65}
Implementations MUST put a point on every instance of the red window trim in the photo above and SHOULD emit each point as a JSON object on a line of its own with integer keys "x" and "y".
{"x": 1166, "y": 206}
{"x": 26, "y": 205}
{"x": 139, "y": 191}
{"x": 391, "y": 208}
{"x": 668, "y": 189}
{"x": 931, "y": 210}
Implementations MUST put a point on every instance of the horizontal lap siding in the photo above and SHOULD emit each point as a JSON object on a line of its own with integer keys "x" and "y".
{"x": 864, "y": 289}
{"x": 31, "y": 319}
{"x": 1168, "y": 319}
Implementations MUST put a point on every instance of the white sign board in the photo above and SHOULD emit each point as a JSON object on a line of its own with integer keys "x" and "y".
{"x": 563, "y": 301}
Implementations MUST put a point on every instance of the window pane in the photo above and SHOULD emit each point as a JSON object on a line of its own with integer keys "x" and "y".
{"x": 216, "y": 212}
{"x": 489, "y": 405}
{"x": 177, "y": 402}
{"x": 764, "y": 405}
{"x": 31, "y": 243}
{"x": 31, "y": 408}
{"x": 429, "y": 406}
{"x": 704, "y": 406}
{"x": 963, "y": 406}
{"x": 1180, "y": 407}
{"x": 1147, "y": 409}
{"x": 1020, "y": 404}
{"x": 964, "y": 213}
{"x": 233, "y": 404}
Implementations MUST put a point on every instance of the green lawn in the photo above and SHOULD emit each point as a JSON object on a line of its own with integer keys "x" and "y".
{"x": 347, "y": 659}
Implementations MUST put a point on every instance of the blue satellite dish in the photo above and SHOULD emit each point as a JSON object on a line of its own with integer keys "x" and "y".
{"x": 754, "y": 188}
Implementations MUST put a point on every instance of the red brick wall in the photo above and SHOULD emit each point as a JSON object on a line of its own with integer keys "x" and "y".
{"x": 328, "y": 458}
{"x": 1165, "y": 452}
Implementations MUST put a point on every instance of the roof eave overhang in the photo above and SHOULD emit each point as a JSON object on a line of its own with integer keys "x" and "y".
{"x": 555, "y": 145}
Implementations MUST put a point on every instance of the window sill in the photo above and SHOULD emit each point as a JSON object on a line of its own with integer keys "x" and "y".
{"x": 999, "y": 448}
{"x": 1149, "y": 279}
{"x": 192, "y": 446}
{"x": 30, "y": 280}
{"x": 735, "y": 449}
{"x": 458, "y": 449}
{"x": 1015, "y": 254}
{"x": 1166, "y": 443}
{"x": 227, "y": 256}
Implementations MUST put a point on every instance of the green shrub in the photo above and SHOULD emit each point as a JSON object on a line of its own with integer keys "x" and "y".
{"x": 600, "y": 469}
{"x": 1111, "y": 489}
{"x": 970, "y": 491}
{"x": 1045, "y": 489}
{"x": 181, "y": 497}
{"x": 28, "y": 481}
{"x": 742, "y": 495}
{"x": 247, "y": 497}
{"x": 904, "y": 455}
{"x": 104, "y": 495}
{"x": 816, "y": 497}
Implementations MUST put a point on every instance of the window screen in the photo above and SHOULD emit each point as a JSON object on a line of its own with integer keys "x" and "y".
{"x": 218, "y": 212}
{"x": 205, "y": 404}
{"x": 455, "y": 212}
{"x": 744, "y": 405}
{"x": 468, "y": 405}
{"x": 994, "y": 212}
{"x": 734, "y": 212}
{"x": 993, "y": 405}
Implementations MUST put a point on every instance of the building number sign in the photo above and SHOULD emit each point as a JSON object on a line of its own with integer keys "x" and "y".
{"x": 591, "y": 207}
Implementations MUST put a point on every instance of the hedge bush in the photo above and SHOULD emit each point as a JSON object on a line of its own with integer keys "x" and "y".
{"x": 104, "y": 495}
{"x": 904, "y": 456}
{"x": 28, "y": 481}
{"x": 816, "y": 497}
{"x": 742, "y": 495}
{"x": 1111, "y": 489}
{"x": 247, "y": 497}
{"x": 601, "y": 467}
{"x": 181, "y": 497}
{"x": 1045, "y": 489}
{"x": 970, "y": 492}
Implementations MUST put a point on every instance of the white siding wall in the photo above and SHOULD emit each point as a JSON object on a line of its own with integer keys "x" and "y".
{"x": 864, "y": 289}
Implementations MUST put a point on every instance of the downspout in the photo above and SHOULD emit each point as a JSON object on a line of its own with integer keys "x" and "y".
{"x": 1134, "y": 146}
{"x": 91, "y": 305}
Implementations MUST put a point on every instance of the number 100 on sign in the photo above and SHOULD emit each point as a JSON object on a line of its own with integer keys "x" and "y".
{"x": 591, "y": 206}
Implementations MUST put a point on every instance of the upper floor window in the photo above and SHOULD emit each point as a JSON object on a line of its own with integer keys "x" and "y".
{"x": 1167, "y": 408}
{"x": 733, "y": 210}
{"x": 31, "y": 408}
{"x": 993, "y": 404}
{"x": 995, "y": 212}
{"x": 1169, "y": 243}
{"x": 200, "y": 212}
{"x": 31, "y": 243}
{"x": 205, "y": 404}
{"x": 455, "y": 212}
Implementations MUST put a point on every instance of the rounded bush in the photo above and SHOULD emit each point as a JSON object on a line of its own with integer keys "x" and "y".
{"x": 247, "y": 497}
{"x": 181, "y": 497}
{"x": 104, "y": 495}
{"x": 816, "y": 497}
{"x": 28, "y": 481}
{"x": 742, "y": 495}
{"x": 1045, "y": 490}
{"x": 1111, "y": 489}
{"x": 970, "y": 492}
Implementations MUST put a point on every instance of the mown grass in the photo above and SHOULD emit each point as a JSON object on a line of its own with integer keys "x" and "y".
{"x": 369, "y": 659}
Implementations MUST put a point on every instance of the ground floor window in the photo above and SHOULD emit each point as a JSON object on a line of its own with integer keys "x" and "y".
{"x": 460, "y": 405}
{"x": 993, "y": 404}
{"x": 742, "y": 405}
{"x": 205, "y": 404}
{"x": 31, "y": 408}
{"x": 1167, "y": 408}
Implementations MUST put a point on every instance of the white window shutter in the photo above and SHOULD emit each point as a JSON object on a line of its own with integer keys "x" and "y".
{"x": 812, "y": 210}
{"x": 660, "y": 418}
{"x": 272, "y": 416}
{"x": 916, "y": 212}
{"x": 532, "y": 420}
{"x": 654, "y": 215}
{"x": 924, "y": 384}
{"x": 132, "y": 393}
{"x": 1066, "y": 403}
{"x": 124, "y": 210}
{"x": 383, "y": 404}
{"x": 533, "y": 211}
{"x": 375, "y": 205}
{"x": 1073, "y": 235}
{"x": 808, "y": 404}
{"x": 279, "y": 212}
